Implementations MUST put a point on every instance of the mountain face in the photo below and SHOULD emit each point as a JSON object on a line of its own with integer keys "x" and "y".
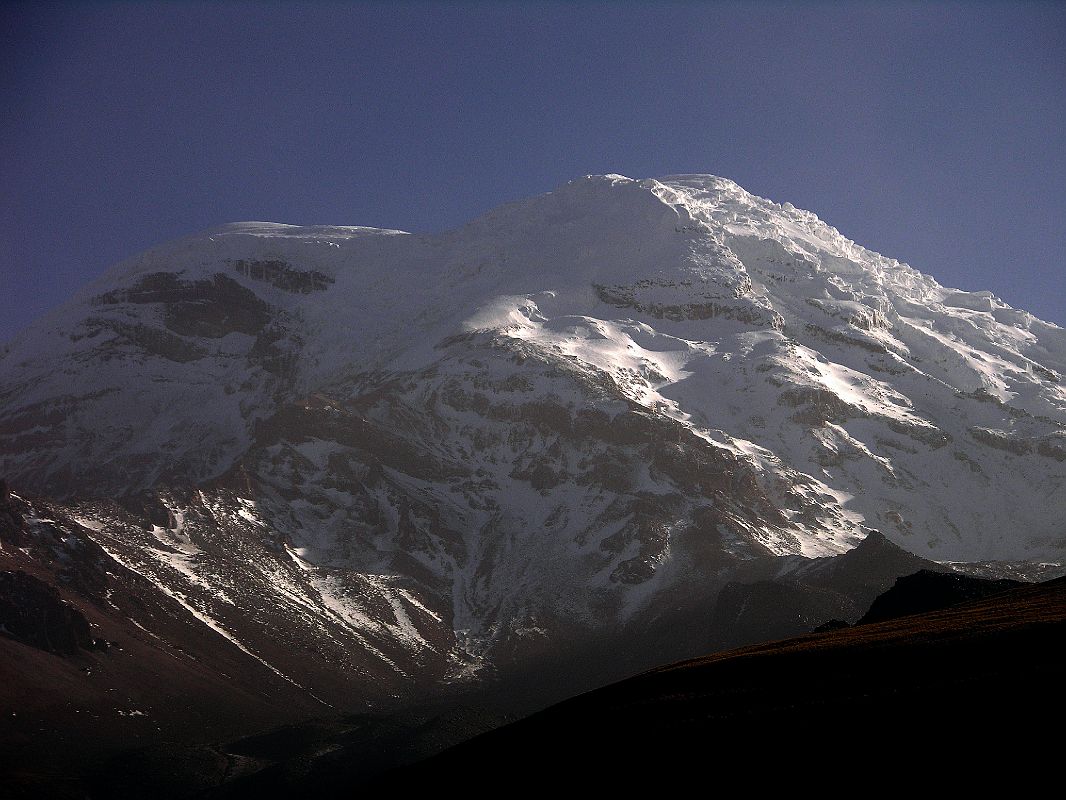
{"x": 412, "y": 459}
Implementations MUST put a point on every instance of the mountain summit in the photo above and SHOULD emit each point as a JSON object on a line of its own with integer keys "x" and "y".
{"x": 446, "y": 452}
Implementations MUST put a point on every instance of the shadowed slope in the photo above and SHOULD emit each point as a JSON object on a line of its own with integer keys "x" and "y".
{"x": 986, "y": 674}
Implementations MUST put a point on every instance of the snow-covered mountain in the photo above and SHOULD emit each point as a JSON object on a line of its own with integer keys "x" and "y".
{"x": 445, "y": 452}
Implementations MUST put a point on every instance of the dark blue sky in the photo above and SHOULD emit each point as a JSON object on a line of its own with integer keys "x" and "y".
{"x": 934, "y": 133}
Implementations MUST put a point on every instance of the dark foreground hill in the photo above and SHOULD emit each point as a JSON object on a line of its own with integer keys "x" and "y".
{"x": 979, "y": 678}
{"x": 940, "y": 690}
{"x": 927, "y": 590}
